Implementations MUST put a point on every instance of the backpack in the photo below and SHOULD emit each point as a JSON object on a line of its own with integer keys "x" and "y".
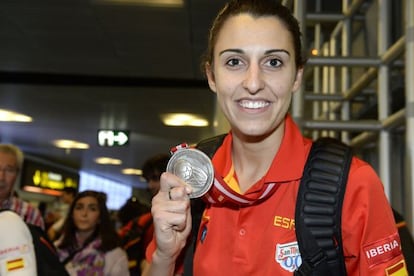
{"x": 407, "y": 241}
{"x": 132, "y": 241}
{"x": 47, "y": 259}
{"x": 43, "y": 250}
{"x": 317, "y": 214}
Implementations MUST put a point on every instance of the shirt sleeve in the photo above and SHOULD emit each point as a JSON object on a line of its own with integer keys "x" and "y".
{"x": 116, "y": 263}
{"x": 35, "y": 217}
{"x": 179, "y": 265}
{"x": 370, "y": 237}
{"x": 17, "y": 255}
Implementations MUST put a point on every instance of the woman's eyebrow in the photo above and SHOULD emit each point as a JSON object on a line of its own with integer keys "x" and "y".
{"x": 277, "y": 51}
{"x": 239, "y": 51}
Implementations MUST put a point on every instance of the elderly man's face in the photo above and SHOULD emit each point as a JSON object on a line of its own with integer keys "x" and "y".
{"x": 8, "y": 174}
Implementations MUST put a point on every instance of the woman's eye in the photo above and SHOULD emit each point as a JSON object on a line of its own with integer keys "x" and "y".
{"x": 233, "y": 62}
{"x": 274, "y": 62}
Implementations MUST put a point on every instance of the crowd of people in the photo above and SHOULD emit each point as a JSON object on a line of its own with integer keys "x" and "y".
{"x": 83, "y": 234}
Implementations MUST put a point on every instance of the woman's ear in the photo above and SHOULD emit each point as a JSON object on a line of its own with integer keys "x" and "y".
{"x": 210, "y": 77}
{"x": 298, "y": 79}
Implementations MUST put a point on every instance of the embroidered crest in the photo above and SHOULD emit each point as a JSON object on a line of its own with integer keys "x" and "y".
{"x": 288, "y": 256}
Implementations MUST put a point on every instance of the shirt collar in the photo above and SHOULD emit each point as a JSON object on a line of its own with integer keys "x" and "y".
{"x": 287, "y": 164}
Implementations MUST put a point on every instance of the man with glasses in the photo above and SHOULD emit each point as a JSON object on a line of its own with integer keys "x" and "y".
{"x": 11, "y": 161}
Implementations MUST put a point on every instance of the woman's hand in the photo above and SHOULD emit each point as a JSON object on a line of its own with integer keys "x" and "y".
{"x": 172, "y": 221}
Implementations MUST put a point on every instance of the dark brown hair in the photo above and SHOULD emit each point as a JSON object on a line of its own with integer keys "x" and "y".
{"x": 154, "y": 166}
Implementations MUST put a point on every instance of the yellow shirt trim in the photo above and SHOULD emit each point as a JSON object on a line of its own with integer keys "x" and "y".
{"x": 232, "y": 181}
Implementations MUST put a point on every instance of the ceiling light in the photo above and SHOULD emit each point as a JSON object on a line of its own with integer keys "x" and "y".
{"x": 11, "y": 116}
{"x": 183, "y": 119}
{"x": 131, "y": 171}
{"x": 70, "y": 144}
{"x": 148, "y": 3}
{"x": 107, "y": 161}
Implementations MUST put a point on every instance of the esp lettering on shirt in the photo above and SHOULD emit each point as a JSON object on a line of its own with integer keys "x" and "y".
{"x": 284, "y": 222}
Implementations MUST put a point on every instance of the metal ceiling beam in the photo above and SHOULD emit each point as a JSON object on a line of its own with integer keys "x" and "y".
{"x": 35, "y": 78}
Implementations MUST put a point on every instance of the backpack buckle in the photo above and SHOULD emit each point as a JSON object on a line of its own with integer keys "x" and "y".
{"x": 309, "y": 265}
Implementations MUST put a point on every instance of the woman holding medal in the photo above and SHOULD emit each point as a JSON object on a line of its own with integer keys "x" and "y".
{"x": 254, "y": 65}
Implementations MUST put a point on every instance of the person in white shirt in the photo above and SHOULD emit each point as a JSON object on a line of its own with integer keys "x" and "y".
{"x": 17, "y": 254}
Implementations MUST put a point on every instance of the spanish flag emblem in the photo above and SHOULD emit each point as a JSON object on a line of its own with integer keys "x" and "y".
{"x": 398, "y": 269}
{"x": 15, "y": 264}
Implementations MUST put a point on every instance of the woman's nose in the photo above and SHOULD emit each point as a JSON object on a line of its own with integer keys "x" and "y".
{"x": 253, "y": 81}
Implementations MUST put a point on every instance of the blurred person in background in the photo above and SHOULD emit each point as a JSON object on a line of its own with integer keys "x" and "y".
{"x": 152, "y": 169}
{"x": 138, "y": 232}
{"x": 67, "y": 197}
{"x": 16, "y": 262}
{"x": 11, "y": 163}
{"x": 133, "y": 233}
{"x": 25, "y": 249}
{"x": 89, "y": 244}
{"x": 131, "y": 209}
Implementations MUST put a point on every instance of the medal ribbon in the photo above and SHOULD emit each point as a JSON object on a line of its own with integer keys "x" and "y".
{"x": 180, "y": 146}
{"x": 220, "y": 194}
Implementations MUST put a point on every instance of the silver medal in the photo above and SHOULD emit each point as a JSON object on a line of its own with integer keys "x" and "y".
{"x": 193, "y": 167}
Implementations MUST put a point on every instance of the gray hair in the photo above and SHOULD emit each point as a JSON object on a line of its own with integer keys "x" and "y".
{"x": 13, "y": 150}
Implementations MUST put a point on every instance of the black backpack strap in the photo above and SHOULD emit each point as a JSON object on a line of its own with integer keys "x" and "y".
{"x": 210, "y": 145}
{"x": 319, "y": 208}
{"x": 197, "y": 209}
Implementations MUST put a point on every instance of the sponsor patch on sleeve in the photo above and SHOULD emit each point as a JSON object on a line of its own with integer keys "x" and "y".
{"x": 383, "y": 250}
{"x": 398, "y": 269}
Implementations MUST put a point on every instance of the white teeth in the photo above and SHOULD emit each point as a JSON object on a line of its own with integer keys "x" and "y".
{"x": 253, "y": 104}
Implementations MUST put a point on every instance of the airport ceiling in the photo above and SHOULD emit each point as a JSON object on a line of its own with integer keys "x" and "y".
{"x": 77, "y": 66}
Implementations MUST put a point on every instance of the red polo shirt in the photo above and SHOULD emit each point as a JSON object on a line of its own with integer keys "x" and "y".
{"x": 260, "y": 239}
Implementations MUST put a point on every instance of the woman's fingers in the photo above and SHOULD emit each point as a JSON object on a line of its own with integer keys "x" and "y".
{"x": 173, "y": 187}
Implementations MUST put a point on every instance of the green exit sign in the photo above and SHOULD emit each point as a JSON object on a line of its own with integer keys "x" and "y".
{"x": 112, "y": 138}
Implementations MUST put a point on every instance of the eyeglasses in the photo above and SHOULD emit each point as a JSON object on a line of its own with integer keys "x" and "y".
{"x": 9, "y": 170}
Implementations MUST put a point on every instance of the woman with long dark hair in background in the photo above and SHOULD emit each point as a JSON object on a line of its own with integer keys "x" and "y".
{"x": 89, "y": 244}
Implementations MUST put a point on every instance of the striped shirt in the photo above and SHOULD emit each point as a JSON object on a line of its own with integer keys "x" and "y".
{"x": 25, "y": 210}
